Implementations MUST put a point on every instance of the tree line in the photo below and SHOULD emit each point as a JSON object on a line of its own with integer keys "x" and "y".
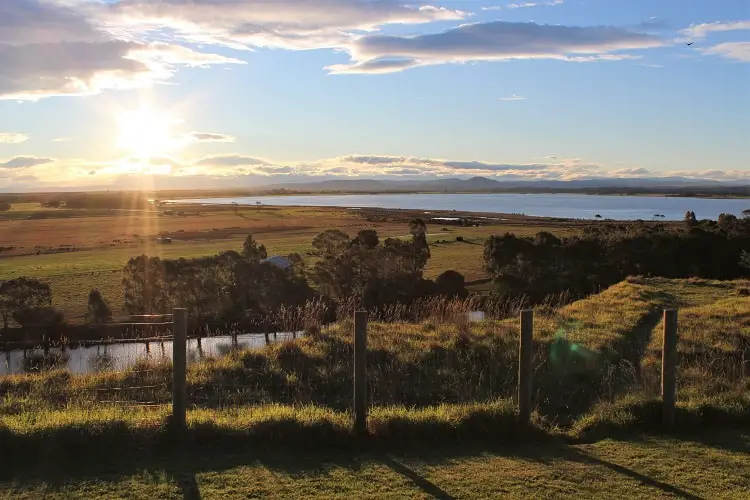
{"x": 237, "y": 287}
{"x": 544, "y": 264}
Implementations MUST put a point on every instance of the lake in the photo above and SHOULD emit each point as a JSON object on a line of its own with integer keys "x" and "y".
{"x": 567, "y": 206}
{"x": 119, "y": 357}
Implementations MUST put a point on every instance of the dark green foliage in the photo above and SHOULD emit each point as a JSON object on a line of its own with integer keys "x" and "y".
{"x": 745, "y": 259}
{"x": 4, "y": 206}
{"x": 367, "y": 238}
{"x": 452, "y": 284}
{"x": 46, "y": 319}
{"x": 98, "y": 309}
{"x": 369, "y": 273}
{"x": 690, "y": 219}
{"x": 331, "y": 242}
{"x": 603, "y": 255}
{"x": 227, "y": 286}
{"x": 21, "y": 294}
{"x": 252, "y": 251}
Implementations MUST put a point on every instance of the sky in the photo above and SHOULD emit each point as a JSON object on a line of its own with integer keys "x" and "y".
{"x": 109, "y": 94}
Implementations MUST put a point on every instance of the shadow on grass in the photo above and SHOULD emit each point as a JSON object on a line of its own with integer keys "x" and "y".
{"x": 421, "y": 482}
{"x": 579, "y": 456}
{"x": 181, "y": 465}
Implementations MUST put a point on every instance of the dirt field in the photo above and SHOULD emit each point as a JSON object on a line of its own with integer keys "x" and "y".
{"x": 76, "y": 251}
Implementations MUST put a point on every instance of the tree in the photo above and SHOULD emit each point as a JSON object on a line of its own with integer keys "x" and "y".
{"x": 46, "y": 318}
{"x": 451, "y": 283}
{"x": 252, "y": 251}
{"x": 690, "y": 219}
{"x": 726, "y": 221}
{"x": 22, "y": 293}
{"x": 331, "y": 242}
{"x": 145, "y": 286}
{"x": 98, "y": 310}
{"x": 4, "y": 206}
{"x": 745, "y": 259}
{"x": 421, "y": 249}
{"x": 367, "y": 238}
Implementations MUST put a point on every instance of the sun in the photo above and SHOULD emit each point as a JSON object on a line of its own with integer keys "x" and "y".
{"x": 146, "y": 133}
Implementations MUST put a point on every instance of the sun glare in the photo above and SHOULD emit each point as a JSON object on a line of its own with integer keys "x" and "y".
{"x": 145, "y": 132}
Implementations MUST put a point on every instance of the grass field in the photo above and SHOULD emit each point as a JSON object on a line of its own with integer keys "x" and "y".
{"x": 83, "y": 249}
{"x": 716, "y": 465}
{"x": 275, "y": 422}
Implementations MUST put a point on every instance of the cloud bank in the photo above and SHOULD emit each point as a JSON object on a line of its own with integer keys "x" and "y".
{"x": 50, "y": 48}
{"x": 238, "y": 170}
{"x": 493, "y": 41}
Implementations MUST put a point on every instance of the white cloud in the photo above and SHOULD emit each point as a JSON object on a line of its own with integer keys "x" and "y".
{"x": 62, "y": 139}
{"x": 12, "y": 138}
{"x": 524, "y": 5}
{"x": 513, "y": 97}
{"x": 25, "y": 162}
{"x": 292, "y": 24}
{"x": 230, "y": 161}
{"x": 735, "y": 51}
{"x": 703, "y": 30}
{"x": 493, "y": 41}
{"x": 50, "y": 48}
{"x": 209, "y": 137}
{"x": 177, "y": 54}
{"x": 237, "y": 169}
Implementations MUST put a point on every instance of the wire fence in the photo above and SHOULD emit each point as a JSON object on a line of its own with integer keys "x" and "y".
{"x": 449, "y": 368}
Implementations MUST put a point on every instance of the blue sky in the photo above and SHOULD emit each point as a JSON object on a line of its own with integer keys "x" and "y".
{"x": 125, "y": 93}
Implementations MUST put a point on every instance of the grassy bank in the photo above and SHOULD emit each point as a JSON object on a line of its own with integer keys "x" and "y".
{"x": 440, "y": 381}
{"x": 588, "y": 355}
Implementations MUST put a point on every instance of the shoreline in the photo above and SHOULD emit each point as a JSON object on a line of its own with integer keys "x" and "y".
{"x": 289, "y": 193}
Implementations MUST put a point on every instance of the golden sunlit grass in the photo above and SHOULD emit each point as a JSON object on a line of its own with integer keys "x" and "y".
{"x": 586, "y": 352}
{"x": 437, "y": 382}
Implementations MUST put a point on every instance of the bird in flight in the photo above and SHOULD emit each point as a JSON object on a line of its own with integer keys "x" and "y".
{"x": 690, "y": 43}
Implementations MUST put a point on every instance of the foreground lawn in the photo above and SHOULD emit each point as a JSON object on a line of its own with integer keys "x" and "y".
{"x": 714, "y": 466}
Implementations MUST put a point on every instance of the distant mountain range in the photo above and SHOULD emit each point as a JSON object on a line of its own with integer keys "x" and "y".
{"x": 483, "y": 184}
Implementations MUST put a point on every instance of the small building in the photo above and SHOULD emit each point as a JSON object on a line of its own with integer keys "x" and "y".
{"x": 163, "y": 240}
{"x": 278, "y": 261}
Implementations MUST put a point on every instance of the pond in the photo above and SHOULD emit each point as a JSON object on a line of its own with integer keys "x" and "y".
{"x": 121, "y": 356}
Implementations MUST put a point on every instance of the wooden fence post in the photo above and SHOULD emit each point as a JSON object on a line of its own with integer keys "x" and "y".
{"x": 360, "y": 373}
{"x": 179, "y": 368}
{"x": 525, "y": 360}
{"x": 669, "y": 367}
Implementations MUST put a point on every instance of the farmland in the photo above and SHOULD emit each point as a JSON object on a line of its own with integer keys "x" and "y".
{"x": 76, "y": 251}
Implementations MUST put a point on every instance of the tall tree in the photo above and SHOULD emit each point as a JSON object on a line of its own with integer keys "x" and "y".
{"x": 145, "y": 287}
{"x": 22, "y": 293}
{"x": 252, "y": 250}
{"x": 421, "y": 249}
{"x": 690, "y": 219}
{"x": 98, "y": 310}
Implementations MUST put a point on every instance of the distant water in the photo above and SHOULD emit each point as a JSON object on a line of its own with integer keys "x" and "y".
{"x": 567, "y": 206}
